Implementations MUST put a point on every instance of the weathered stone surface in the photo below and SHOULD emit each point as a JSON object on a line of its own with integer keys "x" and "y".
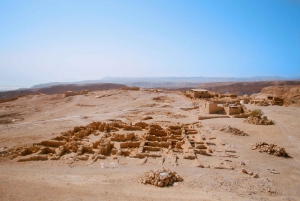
{"x": 52, "y": 143}
{"x": 46, "y": 150}
{"x": 245, "y": 171}
{"x": 61, "y": 151}
{"x": 34, "y": 158}
{"x": 161, "y": 178}
{"x": 130, "y": 144}
{"x": 85, "y": 149}
{"x": 123, "y": 137}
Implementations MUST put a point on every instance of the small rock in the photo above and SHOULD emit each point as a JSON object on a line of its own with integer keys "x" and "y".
{"x": 160, "y": 184}
{"x": 274, "y": 172}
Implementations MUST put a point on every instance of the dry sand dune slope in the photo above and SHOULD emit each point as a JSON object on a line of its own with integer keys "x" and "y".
{"x": 106, "y": 158}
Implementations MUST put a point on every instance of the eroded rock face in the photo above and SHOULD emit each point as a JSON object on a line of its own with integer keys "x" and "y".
{"x": 272, "y": 149}
{"x": 161, "y": 178}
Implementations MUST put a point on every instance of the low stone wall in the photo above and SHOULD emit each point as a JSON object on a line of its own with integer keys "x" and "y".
{"x": 130, "y": 144}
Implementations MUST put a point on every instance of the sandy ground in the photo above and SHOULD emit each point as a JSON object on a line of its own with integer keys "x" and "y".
{"x": 41, "y": 117}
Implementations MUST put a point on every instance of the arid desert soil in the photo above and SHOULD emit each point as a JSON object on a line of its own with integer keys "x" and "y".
{"x": 216, "y": 176}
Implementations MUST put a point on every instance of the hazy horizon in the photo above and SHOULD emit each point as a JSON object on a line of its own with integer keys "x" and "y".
{"x": 68, "y": 41}
{"x": 132, "y": 80}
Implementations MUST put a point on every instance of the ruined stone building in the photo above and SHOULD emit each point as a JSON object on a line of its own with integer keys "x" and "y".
{"x": 200, "y": 93}
{"x": 228, "y": 95}
{"x": 273, "y": 100}
{"x": 212, "y": 108}
{"x": 233, "y": 109}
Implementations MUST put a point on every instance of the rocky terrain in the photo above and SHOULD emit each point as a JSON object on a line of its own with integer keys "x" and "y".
{"x": 56, "y": 89}
{"x": 143, "y": 144}
{"x": 249, "y": 88}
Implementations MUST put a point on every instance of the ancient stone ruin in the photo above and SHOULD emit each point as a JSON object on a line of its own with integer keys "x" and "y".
{"x": 211, "y": 107}
{"x": 100, "y": 140}
{"x": 270, "y": 100}
{"x": 199, "y": 93}
{"x": 114, "y": 139}
{"x": 161, "y": 178}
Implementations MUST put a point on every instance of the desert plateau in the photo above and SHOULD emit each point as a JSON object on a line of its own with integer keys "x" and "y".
{"x": 120, "y": 144}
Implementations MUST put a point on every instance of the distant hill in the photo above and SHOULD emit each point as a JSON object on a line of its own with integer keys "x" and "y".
{"x": 169, "y": 82}
{"x": 56, "y": 89}
{"x": 249, "y": 88}
{"x": 126, "y": 80}
{"x": 239, "y": 88}
{"x": 68, "y": 83}
{"x": 237, "y": 85}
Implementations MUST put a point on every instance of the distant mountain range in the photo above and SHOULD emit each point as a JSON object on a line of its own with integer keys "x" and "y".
{"x": 169, "y": 82}
{"x": 238, "y": 86}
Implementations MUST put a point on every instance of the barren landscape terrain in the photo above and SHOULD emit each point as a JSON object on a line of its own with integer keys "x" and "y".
{"x": 226, "y": 165}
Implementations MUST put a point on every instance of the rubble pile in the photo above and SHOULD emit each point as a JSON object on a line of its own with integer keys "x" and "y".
{"x": 257, "y": 120}
{"x": 161, "y": 178}
{"x": 234, "y": 131}
{"x": 254, "y": 175}
{"x": 272, "y": 149}
{"x": 189, "y": 130}
{"x": 163, "y": 99}
{"x": 261, "y": 103}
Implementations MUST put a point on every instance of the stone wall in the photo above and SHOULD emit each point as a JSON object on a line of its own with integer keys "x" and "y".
{"x": 212, "y": 108}
{"x": 233, "y": 110}
{"x": 198, "y": 94}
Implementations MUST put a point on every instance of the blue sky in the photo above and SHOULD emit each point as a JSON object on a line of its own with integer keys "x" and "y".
{"x": 47, "y": 41}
